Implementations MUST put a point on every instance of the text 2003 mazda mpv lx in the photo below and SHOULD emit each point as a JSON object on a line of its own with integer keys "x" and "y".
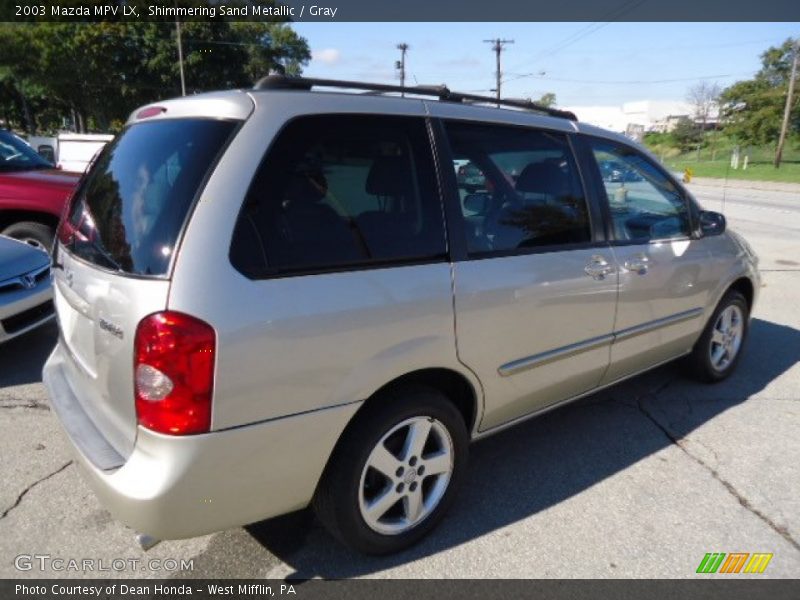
{"x": 281, "y": 297}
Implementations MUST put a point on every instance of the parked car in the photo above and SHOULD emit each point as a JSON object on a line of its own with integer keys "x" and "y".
{"x": 470, "y": 177}
{"x": 32, "y": 193}
{"x": 25, "y": 291}
{"x": 614, "y": 171}
{"x": 271, "y": 298}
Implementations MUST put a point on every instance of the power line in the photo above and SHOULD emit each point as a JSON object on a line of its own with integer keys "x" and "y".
{"x": 627, "y": 82}
{"x": 674, "y": 47}
{"x": 497, "y": 46}
{"x": 588, "y": 30}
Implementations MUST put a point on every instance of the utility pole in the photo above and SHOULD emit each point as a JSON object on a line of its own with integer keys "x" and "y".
{"x": 400, "y": 65}
{"x": 497, "y": 47}
{"x": 788, "y": 110}
{"x": 180, "y": 56}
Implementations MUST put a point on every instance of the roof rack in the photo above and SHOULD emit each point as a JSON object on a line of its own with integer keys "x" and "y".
{"x": 442, "y": 92}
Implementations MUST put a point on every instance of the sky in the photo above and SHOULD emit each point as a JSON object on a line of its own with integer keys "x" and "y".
{"x": 582, "y": 63}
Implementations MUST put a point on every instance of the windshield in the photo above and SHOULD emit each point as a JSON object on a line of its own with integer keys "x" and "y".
{"x": 16, "y": 155}
{"x": 130, "y": 208}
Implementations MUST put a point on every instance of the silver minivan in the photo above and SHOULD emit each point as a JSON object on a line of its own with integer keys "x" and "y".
{"x": 278, "y": 297}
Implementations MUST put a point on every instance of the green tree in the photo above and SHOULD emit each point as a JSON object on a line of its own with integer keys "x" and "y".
{"x": 686, "y": 134}
{"x": 16, "y": 68}
{"x": 752, "y": 110}
{"x": 97, "y": 73}
{"x": 548, "y": 100}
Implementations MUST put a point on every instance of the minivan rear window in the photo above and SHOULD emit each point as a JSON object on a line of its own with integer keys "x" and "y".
{"x": 130, "y": 208}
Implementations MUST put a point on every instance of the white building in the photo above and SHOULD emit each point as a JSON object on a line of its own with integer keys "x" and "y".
{"x": 652, "y": 115}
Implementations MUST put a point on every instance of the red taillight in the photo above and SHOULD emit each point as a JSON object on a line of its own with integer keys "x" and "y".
{"x": 173, "y": 371}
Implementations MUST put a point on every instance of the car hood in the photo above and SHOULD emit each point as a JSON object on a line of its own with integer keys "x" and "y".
{"x": 43, "y": 177}
{"x": 18, "y": 258}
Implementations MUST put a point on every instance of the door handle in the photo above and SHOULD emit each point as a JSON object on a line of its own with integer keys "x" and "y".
{"x": 638, "y": 264}
{"x": 598, "y": 267}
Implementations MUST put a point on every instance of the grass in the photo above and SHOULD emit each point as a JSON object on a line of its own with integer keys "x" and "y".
{"x": 713, "y": 159}
{"x": 789, "y": 172}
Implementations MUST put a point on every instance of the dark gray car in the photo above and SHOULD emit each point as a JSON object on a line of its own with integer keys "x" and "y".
{"x": 25, "y": 290}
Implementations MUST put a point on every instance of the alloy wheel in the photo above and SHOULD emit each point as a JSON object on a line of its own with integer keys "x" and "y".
{"x": 406, "y": 475}
{"x": 726, "y": 337}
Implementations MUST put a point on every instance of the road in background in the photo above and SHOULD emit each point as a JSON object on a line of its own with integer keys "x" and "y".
{"x": 768, "y": 216}
{"x": 641, "y": 480}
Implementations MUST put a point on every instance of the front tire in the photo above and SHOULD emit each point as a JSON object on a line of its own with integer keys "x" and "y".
{"x": 395, "y": 472}
{"x": 719, "y": 348}
{"x": 35, "y": 234}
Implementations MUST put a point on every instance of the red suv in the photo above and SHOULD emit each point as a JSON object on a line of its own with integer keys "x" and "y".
{"x": 32, "y": 192}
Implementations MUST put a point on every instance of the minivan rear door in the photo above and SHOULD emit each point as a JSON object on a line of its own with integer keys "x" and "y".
{"x": 114, "y": 253}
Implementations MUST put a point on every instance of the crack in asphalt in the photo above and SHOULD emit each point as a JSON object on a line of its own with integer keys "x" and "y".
{"x": 679, "y": 442}
{"x": 33, "y": 405}
{"x": 24, "y": 492}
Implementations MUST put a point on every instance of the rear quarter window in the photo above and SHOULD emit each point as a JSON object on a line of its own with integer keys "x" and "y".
{"x": 129, "y": 211}
{"x": 341, "y": 192}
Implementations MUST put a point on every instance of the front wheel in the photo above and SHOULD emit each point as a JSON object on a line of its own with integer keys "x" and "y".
{"x": 395, "y": 471}
{"x": 32, "y": 233}
{"x": 717, "y": 352}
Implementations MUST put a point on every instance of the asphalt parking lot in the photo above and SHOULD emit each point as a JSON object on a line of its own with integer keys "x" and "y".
{"x": 641, "y": 480}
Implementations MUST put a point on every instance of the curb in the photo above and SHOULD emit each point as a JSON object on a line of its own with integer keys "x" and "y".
{"x": 773, "y": 186}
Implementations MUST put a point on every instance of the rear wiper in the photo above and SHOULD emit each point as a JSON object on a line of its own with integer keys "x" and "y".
{"x": 105, "y": 254}
{"x": 101, "y": 252}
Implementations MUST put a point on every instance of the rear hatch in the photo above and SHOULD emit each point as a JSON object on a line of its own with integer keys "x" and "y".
{"x": 114, "y": 252}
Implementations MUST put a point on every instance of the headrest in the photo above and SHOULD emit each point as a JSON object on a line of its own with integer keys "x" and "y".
{"x": 388, "y": 176}
{"x": 542, "y": 178}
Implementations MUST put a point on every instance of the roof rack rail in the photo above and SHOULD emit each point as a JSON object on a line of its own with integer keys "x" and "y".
{"x": 442, "y": 92}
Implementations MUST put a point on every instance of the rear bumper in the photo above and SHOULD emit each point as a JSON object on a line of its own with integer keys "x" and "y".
{"x": 24, "y": 310}
{"x": 177, "y": 487}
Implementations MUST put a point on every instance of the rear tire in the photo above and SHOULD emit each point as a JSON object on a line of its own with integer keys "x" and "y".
{"x": 717, "y": 352}
{"x": 395, "y": 472}
{"x": 36, "y": 234}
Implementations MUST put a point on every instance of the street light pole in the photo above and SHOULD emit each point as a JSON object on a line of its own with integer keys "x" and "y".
{"x": 180, "y": 55}
{"x": 788, "y": 110}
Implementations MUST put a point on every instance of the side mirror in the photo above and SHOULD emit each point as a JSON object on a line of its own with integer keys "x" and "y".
{"x": 477, "y": 204}
{"x": 712, "y": 223}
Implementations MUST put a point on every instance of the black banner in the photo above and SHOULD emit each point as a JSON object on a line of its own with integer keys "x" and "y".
{"x": 370, "y": 589}
{"x": 402, "y": 11}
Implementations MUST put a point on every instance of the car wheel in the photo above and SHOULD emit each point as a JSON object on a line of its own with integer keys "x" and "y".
{"x": 37, "y": 235}
{"x": 717, "y": 352}
{"x": 395, "y": 471}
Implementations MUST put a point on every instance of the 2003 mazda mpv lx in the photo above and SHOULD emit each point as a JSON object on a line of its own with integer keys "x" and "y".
{"x": 278, "y": 297}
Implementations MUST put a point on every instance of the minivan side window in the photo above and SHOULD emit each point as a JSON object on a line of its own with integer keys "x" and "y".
{"x": 341, "y": 191}
{"x": 644, "y": 204}
{"x": 519, "y": 188}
